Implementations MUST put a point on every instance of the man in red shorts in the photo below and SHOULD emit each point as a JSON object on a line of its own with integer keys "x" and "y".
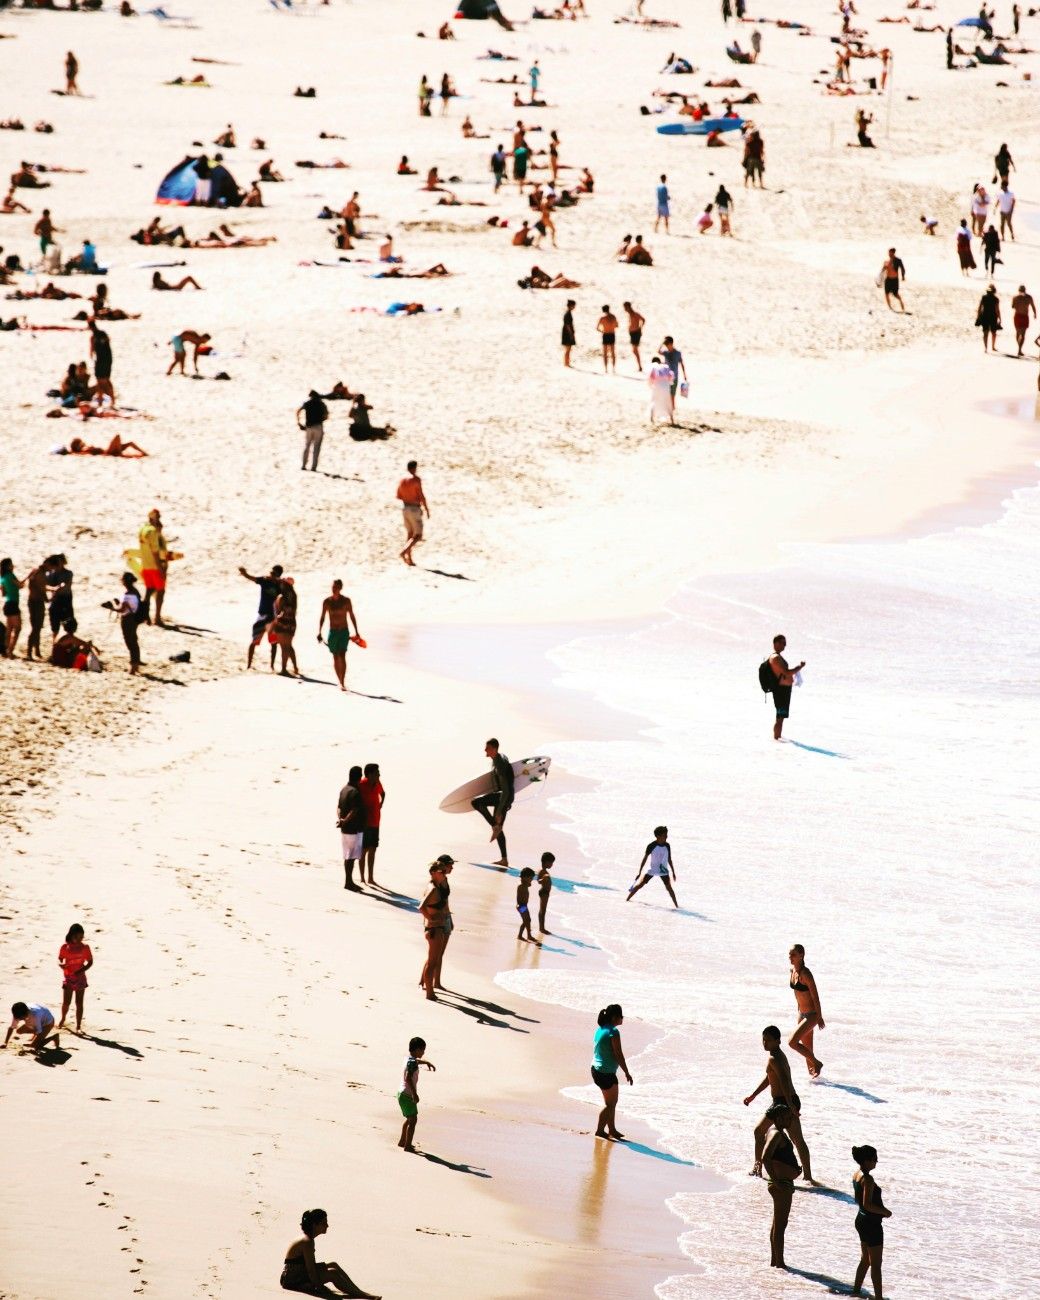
{"x": 153, "y": 565}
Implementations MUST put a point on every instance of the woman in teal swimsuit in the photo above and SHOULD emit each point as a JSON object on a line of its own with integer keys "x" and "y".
{"x": 607, "y": 1058}
{"x": 10, "y": 587}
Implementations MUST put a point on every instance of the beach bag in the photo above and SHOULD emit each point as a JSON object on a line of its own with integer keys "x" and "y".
{"x": 766, "y": 678}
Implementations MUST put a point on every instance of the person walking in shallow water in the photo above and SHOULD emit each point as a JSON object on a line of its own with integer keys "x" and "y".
{"x": 607, "y": 1059}
{"x": 545, "y": 885}
{"x": 810, "y": 1016}
{"x": 785, "y": 1103}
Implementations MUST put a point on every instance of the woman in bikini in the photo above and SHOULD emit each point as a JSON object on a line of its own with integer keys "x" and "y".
{"x": 781, "y": 1168}
{"x": 283, "y": 629}
{"x": 437, "y": 924}
{"x": 302, "y": 1273}
{"x": 810, "y": 1016}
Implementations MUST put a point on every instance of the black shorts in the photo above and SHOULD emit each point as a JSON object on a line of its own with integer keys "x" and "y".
{"x": 870, "y": 1229}
{"x": 370, "y": 839}
{"x": 260, "y": 627}
{"x": 608, "y": 340}
{"x": 782, "y": 700}
{"x": 892, "y": 284}
{"x": 10, "y": 608}
{"x": 567, "y": 338}
{"x": 603, "y": 1080}
{"x": 635, "y": 337}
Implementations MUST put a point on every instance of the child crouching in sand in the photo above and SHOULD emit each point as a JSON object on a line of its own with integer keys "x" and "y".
{"x": 408, "y": 1097}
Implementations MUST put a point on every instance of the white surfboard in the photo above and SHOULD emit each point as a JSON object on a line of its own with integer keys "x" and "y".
{"x": 526, "y": 771}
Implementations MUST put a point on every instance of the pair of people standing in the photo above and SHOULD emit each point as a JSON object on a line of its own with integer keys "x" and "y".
{"x": 359, "y": 810}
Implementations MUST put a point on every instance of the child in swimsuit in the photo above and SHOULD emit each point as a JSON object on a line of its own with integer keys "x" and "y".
{"x": 523, "y": 894}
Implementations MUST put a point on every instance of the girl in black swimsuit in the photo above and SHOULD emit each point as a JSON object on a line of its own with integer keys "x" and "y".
{"x": 871, "y": 1211}
{"x": 303, "y": 1274}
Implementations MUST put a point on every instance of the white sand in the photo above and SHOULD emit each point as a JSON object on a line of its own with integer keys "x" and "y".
{"x": 171, "y": 822}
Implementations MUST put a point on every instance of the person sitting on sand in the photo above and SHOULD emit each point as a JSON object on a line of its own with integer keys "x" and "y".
{"x": 11, "y": 204}
{"x": 638, "y": 254}
{"x": 268, "y": 172}
{"x": 100, "y": 309}
{"x": 180, "y": 349}
{"x": 84, "y": 262}
{"x": 339, "y": 393}
{"x": 433, "y": 183}
{"x": 522, "y": 238}
{"x": 444, "y": 32}
{"x": 159, "y": 283}
{"x": 75, "y": 386}
{"x": 361, "y": 427}
{"x": 226, "y": 139}
{"x": 404, "y": 168}
{"x": 253, "y": 198}
{"x": 301, "y": 1272}
{"x": 386, "y": 250}
{"x": 117, "y": 447}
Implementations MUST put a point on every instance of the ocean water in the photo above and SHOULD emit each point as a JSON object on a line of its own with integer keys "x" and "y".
{"x": 895, "y": 835}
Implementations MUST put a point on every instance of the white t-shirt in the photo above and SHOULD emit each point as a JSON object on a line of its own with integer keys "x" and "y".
{"x": 980, "y": 203}
{"x": 659, "y": 854}
{"x": 129, "y": 604}
{"x": 1006, "y": 202}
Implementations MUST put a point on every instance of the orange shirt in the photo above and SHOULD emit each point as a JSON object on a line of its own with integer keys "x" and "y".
{"x": 410, "y": 491}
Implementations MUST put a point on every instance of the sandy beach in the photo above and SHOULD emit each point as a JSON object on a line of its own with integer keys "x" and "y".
{"x": 591, "y": 587}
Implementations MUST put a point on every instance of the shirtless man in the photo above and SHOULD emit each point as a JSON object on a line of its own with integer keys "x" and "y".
{"x": 785, "y": 1103}
{"x": 635, "y": 331}
{"x": 351, "y": 213}
{"x": 1022, "y": 304}
{"x": 891, "y": 272}
{"x": 339, "y": 610}
{"x": 410, "y": 494}
{"x": 784, "y": 676}
{"x": 545, "y": 216}
{"x": 180, "y": 351}
{"x": 607, "y": 326}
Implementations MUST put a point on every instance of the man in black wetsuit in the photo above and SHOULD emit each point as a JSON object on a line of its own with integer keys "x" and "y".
{"x": 784, "y": 676}
{"x": 500, "y": 799}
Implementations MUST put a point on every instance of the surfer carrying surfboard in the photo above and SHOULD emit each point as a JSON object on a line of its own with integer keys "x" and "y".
{"x": 500, "y": 799}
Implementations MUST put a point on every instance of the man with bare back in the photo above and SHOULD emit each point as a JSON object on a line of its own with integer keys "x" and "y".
{"x": 785, "y": 1103}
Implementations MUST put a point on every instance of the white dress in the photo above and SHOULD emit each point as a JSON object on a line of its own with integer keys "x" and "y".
{"x": 660, "y": 380}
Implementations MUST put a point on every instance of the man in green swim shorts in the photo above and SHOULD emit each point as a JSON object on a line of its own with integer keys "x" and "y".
{"x": 340, "y": 613}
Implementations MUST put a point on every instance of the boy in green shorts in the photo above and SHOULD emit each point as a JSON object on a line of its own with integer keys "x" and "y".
{"x": 408, "y": 1097}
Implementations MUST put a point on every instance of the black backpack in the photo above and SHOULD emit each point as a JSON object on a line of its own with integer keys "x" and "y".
{"x": 766, "y": 677}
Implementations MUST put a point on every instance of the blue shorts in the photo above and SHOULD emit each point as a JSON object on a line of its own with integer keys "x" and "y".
{"x": 662, "y": 210}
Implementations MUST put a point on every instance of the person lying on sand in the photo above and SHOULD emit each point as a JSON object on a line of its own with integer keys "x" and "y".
{"x": 239, "y": 241}
{"x": 159, "y": 282}
{"x": 197, "y": 80}
{"x": 100, "y": 309}
{"x": 117, "y": 447}
{"x": 49, "y": 290}
{"x": 540, "y": 279}
{"x": 398, "y": 273}
{"x": 11, "y": 204}
{"x": 25, "y": 179}
{"x": 533, "y": 102}
{"x": 339, "y": 393}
